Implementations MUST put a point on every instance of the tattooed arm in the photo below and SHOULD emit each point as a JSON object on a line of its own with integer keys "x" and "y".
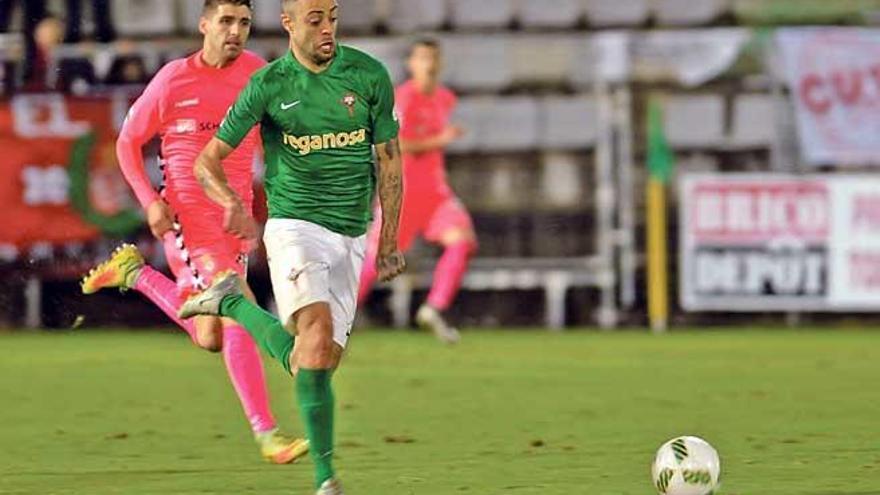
{"x": 389, "y": 261}
{"x": 209, "y": 172}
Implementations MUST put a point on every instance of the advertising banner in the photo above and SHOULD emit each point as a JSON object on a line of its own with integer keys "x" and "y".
{"x": 752, "y": 242}
{"x": 61, "y": 179}
{"x": 834, "y": 77}
{"x": 855, "y": 238}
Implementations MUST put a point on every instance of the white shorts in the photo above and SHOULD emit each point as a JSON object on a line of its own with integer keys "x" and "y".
{"x": 308, "y": 264}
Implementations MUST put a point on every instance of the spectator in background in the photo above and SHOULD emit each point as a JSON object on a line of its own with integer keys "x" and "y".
{"x": 104, "y": 32}
{"x": 48, "y": 34}
{"x": 34, "y": 12}
{"x": 72, "y": 74}
{"x": 75, "y": 75}
{"x": 127, "y": 69}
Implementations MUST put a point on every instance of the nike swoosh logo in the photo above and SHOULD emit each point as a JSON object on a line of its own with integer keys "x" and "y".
{"x": 286, "y": 106}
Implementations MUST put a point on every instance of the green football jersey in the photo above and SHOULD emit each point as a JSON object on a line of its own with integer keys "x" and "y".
{"x": 318, "y": 131}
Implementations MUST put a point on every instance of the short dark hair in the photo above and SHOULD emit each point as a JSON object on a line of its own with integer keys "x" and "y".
{"x": 423, "y": 41}
{"x": 213, "y": 4}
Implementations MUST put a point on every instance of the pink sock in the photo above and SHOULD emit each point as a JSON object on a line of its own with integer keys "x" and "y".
{"x": 163, "y": 293}
{"x": 239, "y": 351}
{"x": 368, "y": 276}
{"x": 246, "y": 373}
{"x": 448, "y": 274}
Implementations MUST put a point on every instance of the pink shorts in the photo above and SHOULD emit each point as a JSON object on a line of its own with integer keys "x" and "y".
{"x": 431, "y": 219}
{"x": 198, "y": 249}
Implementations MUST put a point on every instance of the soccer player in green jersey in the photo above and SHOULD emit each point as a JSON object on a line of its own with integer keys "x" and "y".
{"x": 322, "y": 109}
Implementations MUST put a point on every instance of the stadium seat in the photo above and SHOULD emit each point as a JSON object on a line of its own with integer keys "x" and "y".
{"x": 479, "y": 63}
{"x": 562, "y": 180}
{"x": 268, "y": 48}
{"x": 144, "y": 17}
{"x": 510, "y": 124}
{"x": 406, "y": 16}
{"x": 557, "y": 53}
{"x": 469, "y": 115}
{"x": 267, "y": 16}
{"x": 390, "y": 51}
{"x": 694, "y": 121}
{"x": 189, "y": 16}
{"x": 502, "y": 176}
{"x": 567, "y": 122}
{"x": 584, "y": 61}
{"x": 688, "y": 12}
{"x": 617, "y": 12}
{"x": 550, "y": 13}
{"x": 496, "y": 124}
{"x": 468, "y": 14}
{"x": 754, "y": 121}
{"x": 358, "y": 16}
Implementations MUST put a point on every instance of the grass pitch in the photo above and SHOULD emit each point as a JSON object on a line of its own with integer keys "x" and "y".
{"x": 506, "y": 412}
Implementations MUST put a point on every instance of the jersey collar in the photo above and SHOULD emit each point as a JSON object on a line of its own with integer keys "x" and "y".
{"x": 198, "y": 63}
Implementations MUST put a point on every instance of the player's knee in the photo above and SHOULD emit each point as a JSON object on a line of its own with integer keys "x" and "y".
{"x": 325, "y": 355}
{"x": 315, "y": 346}
{"x": 317, "y": 350}
{"x": 459, "y": 237}
{"x": 211, "y": 343}
{"x": 209, "y": 334}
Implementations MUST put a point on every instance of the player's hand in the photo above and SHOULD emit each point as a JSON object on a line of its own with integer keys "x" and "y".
{"x": 160, "y": 218}
{"x": 450, "y": 133}
{"x": 237, "y": 222}
{"x": 390, "y": 265}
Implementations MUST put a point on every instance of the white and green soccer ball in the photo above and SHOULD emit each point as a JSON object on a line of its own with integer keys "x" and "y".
{"x": 686, "y": 466}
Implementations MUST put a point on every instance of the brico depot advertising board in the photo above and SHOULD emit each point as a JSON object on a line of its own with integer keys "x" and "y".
{"x": 755, "y": 242}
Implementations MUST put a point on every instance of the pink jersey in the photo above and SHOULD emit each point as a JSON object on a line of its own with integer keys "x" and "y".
{"x": 184, "y": 104}
{"x": 423, "y": 116}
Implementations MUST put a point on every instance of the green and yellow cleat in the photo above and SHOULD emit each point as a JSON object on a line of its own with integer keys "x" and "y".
{"x": 279, "y": 449}
{"x": 121, "y": 270}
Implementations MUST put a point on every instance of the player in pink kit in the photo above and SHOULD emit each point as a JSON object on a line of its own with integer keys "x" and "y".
{"x": 429, "y": 207}
{"x": 184, "y": 104}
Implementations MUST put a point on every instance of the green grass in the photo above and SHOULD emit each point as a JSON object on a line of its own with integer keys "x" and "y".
{"x": 518, "y": 412}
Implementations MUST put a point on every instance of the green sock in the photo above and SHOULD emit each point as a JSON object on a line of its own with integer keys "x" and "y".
{"x": 263, "y": 327}
{"x": 315, "y": 397}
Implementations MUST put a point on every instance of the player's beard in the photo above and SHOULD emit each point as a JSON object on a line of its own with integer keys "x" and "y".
{"x": 232, "y": 51}
{"x": 231, "y": 55}
{"x": 321, "y": 60}
{"x": 320, "y": 57}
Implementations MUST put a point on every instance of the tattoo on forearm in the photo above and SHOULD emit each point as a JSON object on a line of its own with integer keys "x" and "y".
{"x": 390, "y": 190}
{"x": 390, "y": 148}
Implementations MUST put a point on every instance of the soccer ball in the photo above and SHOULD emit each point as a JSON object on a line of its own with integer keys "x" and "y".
{"x": 686, "y": 466}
